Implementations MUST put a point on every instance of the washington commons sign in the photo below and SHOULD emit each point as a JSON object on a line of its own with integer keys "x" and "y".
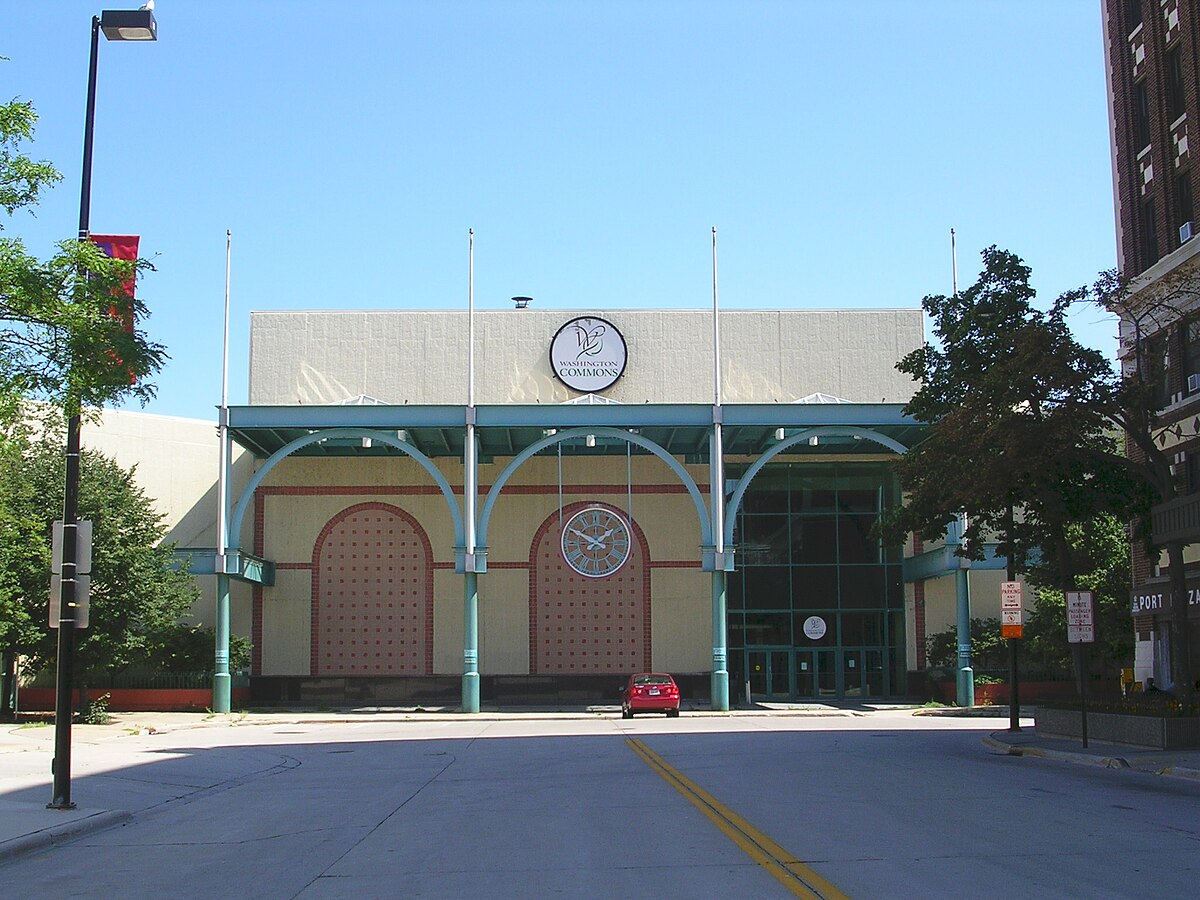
{"x": 588, "y": 354}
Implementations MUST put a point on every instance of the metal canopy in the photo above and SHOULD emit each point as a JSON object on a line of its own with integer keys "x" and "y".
{"x": 681, "y": 429}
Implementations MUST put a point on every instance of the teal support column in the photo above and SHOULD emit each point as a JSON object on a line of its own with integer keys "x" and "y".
{"x": 470, "y": 682}
{"x": 222, "y": 694}
{"x": 720, "y": 672}
{"x": 966, "y": 675}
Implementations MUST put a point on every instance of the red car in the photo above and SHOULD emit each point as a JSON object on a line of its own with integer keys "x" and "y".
{"x": 650, "y": 692}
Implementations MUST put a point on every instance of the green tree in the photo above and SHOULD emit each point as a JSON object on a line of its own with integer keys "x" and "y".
{"x": 137, "y": 596}
{"x": 68, "y": 328}
{"x": 1020, "y": 437}
{"x": 1101, "y": 548}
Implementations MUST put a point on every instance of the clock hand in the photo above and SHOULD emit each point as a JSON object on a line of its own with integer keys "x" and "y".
{"x": 592, "y": 543}
{"x": 597, "y": 543}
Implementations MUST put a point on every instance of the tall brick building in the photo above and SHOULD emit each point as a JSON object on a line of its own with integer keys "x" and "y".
{"x": 1153, "y": 70}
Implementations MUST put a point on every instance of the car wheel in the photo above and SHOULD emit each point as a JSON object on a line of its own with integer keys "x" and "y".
{"x": 672, "y": 713}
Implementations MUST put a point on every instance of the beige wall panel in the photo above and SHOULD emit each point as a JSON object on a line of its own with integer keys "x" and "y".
{"x": 503, "y": 623}
{"x": 681, "y": 620}
{"x": 448, "y": 610}
{"x": 326, "y": 357}
{"x": 287, "y": 624}
{"x": 940, "y": 605}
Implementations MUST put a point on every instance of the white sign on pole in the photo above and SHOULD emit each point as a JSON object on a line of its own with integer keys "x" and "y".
{"x": 1010, "y": 595}
{"x": 1010, "y": 617}
{"x": 1081, "y": 618}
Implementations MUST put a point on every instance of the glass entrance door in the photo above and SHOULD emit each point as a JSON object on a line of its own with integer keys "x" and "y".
{"x": 770, "y": 674}
{"x": 862, "y": 673}
{"x": 816, "y": 673}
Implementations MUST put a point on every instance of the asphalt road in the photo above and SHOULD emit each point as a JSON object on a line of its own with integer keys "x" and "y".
{"x": 878, "y": 805}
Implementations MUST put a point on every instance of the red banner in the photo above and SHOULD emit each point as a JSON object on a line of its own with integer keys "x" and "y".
{"x": 120, "y": 246}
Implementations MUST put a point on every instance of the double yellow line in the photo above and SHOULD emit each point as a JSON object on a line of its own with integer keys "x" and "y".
{"x": 787, "y": 870}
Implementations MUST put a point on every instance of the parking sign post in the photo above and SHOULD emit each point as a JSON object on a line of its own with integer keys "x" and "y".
{"x": 1081, "y": 631}
{"x": 1011, "y": 629}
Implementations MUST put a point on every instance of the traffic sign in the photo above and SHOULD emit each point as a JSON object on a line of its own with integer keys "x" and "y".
{"x": 1081, "y": 617}
{"x": 1010, "y": 595}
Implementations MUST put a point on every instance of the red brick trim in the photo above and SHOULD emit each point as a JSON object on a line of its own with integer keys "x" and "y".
{"x": 391, "y": 490}
{"x": 293, "y": 565}
{"x": 256, "y": 629}
{"x": 256, "y": 602}
{"x": 427, "y": 549}
{"x": 675, "y": 564}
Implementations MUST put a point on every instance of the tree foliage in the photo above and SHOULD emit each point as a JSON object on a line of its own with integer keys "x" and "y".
{"x": 137, "y": 596}
{"x": 69, "y": 330}
{"x": 1020, "y": 435}
{"x": 1101, "y": 548}
{"x": 21, "y": 178}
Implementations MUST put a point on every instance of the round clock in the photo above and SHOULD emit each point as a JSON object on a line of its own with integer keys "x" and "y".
{"x": 595, "y": 542}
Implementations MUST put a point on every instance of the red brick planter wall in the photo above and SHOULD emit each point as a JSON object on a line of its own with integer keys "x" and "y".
{"x": 135, "y": 699}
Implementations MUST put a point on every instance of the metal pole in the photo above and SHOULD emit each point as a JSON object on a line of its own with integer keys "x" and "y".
{"x": 1014, "y": 680}
{"x": 470, "y": 681}
{"x": 1081, "y": 656}
{"x": 962, "y": 584}
{"x": 719, "y": 687}
{"x": 61, "y": 765}
{"x": 222, "y": 688}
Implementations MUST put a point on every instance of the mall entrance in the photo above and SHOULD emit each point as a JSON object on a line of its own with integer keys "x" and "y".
{"x": 816, "y": 604}
{"x": 780, "y": 674}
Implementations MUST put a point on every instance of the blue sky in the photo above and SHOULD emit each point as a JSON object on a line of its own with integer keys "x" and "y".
{"x": 591, "y": 146}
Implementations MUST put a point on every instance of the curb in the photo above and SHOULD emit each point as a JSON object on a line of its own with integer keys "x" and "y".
{"x": 1086, "y": 759}
{"x": 57, "y": 834}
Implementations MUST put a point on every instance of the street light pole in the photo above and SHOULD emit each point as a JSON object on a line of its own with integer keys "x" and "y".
{"x": 117, "y": 25}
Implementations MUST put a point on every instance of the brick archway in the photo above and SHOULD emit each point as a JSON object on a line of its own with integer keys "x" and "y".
{"x": 587, "y": 626}
{"x": 372, "y": 594}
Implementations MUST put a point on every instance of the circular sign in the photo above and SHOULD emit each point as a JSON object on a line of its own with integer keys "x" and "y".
{"x": 588, "y": 354}
{"x": 595, "y": 542}
{"x": 814, "y": 628}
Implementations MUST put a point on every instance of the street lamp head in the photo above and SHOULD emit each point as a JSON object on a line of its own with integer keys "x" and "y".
{"x": 129, "y": 25}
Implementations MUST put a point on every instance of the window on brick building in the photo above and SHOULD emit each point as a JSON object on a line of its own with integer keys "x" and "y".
{"x": 1158, "y": 366}
{"x": 1133, "y": 12}
{"x": 1175, "y": 94}
{"x": 1149, "y": 234}
{"x": 1141, "y": 116}
{"x": 1183, "y": 200}
{"x": 1191, "y": 352}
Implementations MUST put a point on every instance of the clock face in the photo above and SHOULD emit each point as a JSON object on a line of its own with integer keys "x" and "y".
{"x": 595, "y": 542}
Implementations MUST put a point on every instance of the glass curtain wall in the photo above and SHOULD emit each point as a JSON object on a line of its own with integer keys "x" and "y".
{"x": 816, "y": 605}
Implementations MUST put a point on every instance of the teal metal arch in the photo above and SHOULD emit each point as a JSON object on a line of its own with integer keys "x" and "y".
{"x": 381, "y": 437}
{"x": 598, "y": 431}
{"x": 743, "y": 484}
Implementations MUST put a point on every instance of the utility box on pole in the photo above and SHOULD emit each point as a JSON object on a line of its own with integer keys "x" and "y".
{"x": 83, "y": 572}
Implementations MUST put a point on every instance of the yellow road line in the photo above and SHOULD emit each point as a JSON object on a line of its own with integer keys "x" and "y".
{"x": 783, "y": 865}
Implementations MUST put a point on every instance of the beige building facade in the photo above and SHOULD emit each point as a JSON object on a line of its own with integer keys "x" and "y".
{"x": 349, "y": 526}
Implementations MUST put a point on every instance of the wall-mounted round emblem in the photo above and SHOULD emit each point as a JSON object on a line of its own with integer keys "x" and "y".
{"x": 595, "y": 542}
{"x": 588, "y": 354}
{"x": 814, "y": 628}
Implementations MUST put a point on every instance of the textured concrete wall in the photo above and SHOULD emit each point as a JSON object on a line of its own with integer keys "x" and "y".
{"x": 421, "y": 356}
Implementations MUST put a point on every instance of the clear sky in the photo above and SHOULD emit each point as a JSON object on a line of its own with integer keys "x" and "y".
{"x": 591, "y": 145}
